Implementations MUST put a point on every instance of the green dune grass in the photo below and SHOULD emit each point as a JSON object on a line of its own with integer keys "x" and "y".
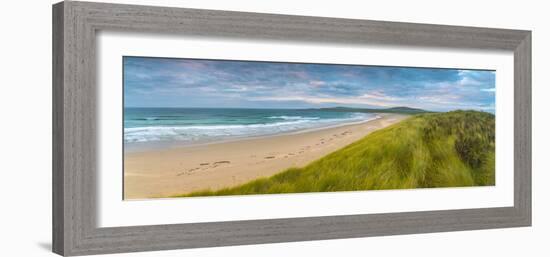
{"x": 453, "y": 149}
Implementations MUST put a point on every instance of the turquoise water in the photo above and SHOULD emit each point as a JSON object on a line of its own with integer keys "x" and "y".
{"x": 199, "y": 125}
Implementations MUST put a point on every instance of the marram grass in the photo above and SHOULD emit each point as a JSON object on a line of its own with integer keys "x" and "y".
{"x": 454, "y": 149}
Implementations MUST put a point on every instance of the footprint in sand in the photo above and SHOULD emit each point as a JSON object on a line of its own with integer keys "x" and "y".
{"x": 222, "y": 162}
{"x": 189, "y": 171}
{"x": 345, "y": 133}
{"x": 204, "y": 166}
{"x": 218, "y": 163}
{"x": 269, "y": 157}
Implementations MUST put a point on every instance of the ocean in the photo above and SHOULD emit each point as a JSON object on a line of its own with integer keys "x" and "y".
{"x": 203, "y": 125}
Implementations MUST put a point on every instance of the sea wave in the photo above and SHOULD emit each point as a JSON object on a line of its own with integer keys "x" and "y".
{"x": 197, "y": 133}
{"x": 293, "y": 118}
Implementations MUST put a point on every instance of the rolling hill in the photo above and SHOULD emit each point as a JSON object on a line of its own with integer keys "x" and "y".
{"x": 453, "y": 149}
{"x": 401, "y": 109}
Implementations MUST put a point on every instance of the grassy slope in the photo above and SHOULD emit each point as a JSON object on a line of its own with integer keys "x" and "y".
{"x": 427, "y": 150}
{"x": 401, "y": 110}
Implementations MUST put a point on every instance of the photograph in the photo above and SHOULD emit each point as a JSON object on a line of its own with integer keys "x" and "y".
{"x": 208, "y": 127}
{"x": 146, "y": 128}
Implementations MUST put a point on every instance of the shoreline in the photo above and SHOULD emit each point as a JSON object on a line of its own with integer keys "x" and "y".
{"x": 175, "y": 170}
{"x": 159, "y": 146}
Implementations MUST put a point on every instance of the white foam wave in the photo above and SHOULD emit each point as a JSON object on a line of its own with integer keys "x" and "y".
{"x": 293, "y": 118}
{"x": 217, "y": 132}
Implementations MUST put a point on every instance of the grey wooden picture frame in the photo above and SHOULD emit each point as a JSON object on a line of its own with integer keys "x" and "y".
{"x": 75, "y": 25}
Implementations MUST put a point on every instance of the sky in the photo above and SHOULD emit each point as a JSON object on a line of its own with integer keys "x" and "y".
{"x": 166, "y": 82}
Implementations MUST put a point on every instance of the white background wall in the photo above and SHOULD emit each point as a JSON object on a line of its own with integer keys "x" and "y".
{"x": 25, "y": 128}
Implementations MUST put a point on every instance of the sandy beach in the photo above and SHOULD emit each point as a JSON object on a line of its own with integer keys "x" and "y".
{"x": 180, "y": 170}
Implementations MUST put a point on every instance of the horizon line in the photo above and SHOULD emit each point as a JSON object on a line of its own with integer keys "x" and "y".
{"x": 290, "y": 108}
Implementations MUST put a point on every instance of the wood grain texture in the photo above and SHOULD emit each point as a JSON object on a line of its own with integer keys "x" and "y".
{"x": 75, "y": 25}
{"x": 58, "y": 230}
{"x": 522, "y": 129}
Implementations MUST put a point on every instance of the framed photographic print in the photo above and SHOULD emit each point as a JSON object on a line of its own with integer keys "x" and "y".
{"x": 197, "y": 127}
{"x": 183, "y": 128}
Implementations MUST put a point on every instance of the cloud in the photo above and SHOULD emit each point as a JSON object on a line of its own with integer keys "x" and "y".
{"x": 189, "y": 82}
{"x": 316, "y": 83}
